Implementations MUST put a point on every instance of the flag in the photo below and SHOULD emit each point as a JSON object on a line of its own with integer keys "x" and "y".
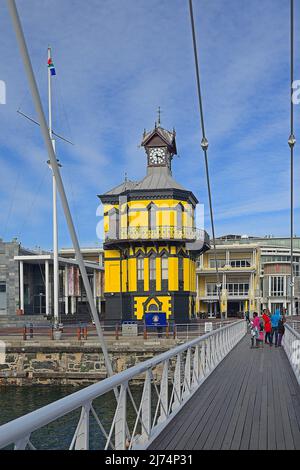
{"x": 51, "y": 67}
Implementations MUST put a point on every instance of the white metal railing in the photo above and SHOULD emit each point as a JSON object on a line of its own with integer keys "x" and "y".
{"x": 169, "y": 380}
{"x": 291, "y": 344}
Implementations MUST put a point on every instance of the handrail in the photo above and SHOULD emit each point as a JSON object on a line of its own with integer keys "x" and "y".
{"x": 291, "y": 345}
{"x": 199, "y": 357}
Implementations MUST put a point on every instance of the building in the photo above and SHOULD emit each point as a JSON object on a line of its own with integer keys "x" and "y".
{"x": 255, "y": 274}
{"x": 9, "y": 276}
{"x": 26, "y": 282}
{"x": 151, "y": 242}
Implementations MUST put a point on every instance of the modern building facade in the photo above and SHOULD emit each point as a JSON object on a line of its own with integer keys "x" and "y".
{"x": 26, "y": 281}
{"x": 9, "y": 276}
{"x": 255, "y": 274}
{"x": 151, "y": 242}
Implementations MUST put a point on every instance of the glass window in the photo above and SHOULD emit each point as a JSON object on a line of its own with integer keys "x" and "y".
{"x": 2, "y": 287}
{"x": 277, "y": 286}
{"x": 164, "y": 268}
{"x": 220, "y": 263}
{"x": 140, "y": 269}
{"x": 152, "y": 268}
{"x": 180, "y": 273}
{"x": 152, "y": 217}
{"x": 179, "y": 210}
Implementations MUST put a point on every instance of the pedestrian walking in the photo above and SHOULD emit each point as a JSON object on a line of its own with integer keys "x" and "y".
{"x": 281, "y": 329}
{"x": 274, "y": 322}
{"x": 255, "y": 327}
{"x": 267, "y": 326}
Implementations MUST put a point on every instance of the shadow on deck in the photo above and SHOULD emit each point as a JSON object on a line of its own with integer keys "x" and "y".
{"x": 251, "y": 401}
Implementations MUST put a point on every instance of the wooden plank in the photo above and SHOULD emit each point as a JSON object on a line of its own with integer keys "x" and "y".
{"x": 251, "y": 401}
{"x": 184, "y": 420}
{"x": 282, "y": 391}
{"x": 204, "y": 408}
{"x": 215, "y": 438}
{"x": 209, "y": 426}
{"x": 237, "y": 394}
{"x": 253, "y": 443}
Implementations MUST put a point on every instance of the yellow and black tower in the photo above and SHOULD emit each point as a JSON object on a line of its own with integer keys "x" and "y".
{"x": 151, "y": 242}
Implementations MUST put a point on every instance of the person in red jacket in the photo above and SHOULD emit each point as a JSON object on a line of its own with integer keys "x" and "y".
{"x": 267, "y": 326}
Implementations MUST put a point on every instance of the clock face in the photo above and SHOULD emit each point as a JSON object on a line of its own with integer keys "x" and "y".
{"x": 157, "y": 156}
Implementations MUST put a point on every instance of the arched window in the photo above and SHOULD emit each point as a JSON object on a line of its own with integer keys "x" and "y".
{"x": 152, "y": 272}
{"x": 113, "y": 232}
{"x": 140, "y": 273}
{"x": 164, "y": 272}
{"x": 151, "y": 216}
{"x": 180, "y": 273}
{"x": 179, "y": 217}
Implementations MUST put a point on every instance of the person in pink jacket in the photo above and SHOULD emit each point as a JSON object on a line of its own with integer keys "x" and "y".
{"x": 255, "y": 328}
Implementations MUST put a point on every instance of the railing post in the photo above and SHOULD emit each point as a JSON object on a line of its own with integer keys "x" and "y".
{"x": 145, "y": 332}
{"x": 24, "y": 333}
{"x": 195, "y": 377}
{"x": 146, "y": 408}
{"x": 174, "y": 331}
{"x": 177, "y": 383}
{"x": 167, "y": 330}
{"x": 164, "y": 390}
{"x": 120, "y": 421}
{"x": 187, "y": 374}
{"x": 21, "y": 444}
{"x": 51, "y": 332}
{"x": 83, "y": 429}
{"x": 117, "y": 330}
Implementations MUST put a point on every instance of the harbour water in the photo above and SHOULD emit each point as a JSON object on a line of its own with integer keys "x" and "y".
{"x": 17, "y": 401}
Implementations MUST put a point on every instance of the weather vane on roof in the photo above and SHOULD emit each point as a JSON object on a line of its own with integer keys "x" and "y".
{"x": 159, "y": 113}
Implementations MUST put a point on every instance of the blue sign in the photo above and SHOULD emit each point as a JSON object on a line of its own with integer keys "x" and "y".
{"x": 155, "y": 319}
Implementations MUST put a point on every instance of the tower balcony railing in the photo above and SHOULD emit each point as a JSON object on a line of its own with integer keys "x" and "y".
{"x": 161, "y": 232}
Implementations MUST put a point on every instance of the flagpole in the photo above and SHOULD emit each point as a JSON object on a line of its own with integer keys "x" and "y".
{"x": 54, "y": 203}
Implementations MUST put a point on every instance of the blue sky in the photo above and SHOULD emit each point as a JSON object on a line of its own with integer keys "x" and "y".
{"x": 116, "y": 62}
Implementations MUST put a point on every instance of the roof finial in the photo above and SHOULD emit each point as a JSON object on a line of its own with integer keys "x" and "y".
{"x": 159, "y": 113}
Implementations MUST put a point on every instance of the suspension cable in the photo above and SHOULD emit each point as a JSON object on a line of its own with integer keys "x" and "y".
{"x": 291, "y": 143}
{"x": 204, "y": 146}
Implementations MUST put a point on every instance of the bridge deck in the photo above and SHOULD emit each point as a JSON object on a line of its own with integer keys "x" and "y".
{"x": 251, "y": 401}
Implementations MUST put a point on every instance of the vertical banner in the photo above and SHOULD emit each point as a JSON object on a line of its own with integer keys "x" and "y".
{"x": 76, "y": 282}
{"x": 71, "y": 280}
{"x": 99, "y": 291}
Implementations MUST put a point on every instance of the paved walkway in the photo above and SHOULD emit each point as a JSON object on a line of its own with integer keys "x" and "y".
{"x": 251, "y": 401}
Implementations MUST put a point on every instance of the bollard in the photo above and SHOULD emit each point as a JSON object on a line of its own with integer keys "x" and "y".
{"x": 24, "y": 333}
{"x": 145, "y": 332}
{"x": 117, "y": 330}
{"x": 79, "y": 333}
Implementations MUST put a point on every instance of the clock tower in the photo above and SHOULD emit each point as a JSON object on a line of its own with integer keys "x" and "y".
{"x": 151, "y": 241}
{"x": 160, "y": 146}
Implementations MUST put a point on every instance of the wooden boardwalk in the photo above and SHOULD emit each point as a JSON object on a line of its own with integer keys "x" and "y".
{"x": 251, "y": 401}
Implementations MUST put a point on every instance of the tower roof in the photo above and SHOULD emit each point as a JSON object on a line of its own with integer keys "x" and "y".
{"x": 167, "y": 136}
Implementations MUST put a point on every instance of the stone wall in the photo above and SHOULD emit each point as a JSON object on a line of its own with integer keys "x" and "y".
{"x": 77, "y": 365}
